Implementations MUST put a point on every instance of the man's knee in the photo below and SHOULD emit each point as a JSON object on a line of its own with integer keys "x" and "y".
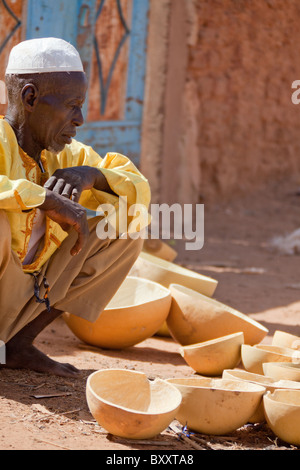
{"x": 129, "y": 248}
{"x": 126, "y": 242}
{"x": 136, "y": 245}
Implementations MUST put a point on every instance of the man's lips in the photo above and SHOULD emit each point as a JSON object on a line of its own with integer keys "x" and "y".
{"x": 68, "y": 136}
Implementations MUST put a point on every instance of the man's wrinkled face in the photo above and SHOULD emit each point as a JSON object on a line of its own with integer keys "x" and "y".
{"x": 58, "y": 112}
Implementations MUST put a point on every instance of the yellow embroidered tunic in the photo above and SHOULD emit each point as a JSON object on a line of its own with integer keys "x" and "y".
{"x": 21, "y": 189}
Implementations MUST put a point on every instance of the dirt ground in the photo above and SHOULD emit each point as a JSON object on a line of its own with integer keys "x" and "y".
{"x": 252, "y": 278}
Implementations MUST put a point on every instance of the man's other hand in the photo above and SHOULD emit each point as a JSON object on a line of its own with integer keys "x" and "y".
{"x": 67, "y": 214}
{"x": 70, "y": 182}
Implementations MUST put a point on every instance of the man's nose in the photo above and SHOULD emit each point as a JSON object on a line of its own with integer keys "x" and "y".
{"x": 78, "y": 118}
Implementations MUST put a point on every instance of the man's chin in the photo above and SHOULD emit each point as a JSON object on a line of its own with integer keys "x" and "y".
{"x": 55, "y": 149}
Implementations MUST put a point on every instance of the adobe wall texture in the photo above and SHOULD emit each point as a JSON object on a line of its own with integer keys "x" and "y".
{"x": 230, "y": 125}
{"x": 7, "y": 24}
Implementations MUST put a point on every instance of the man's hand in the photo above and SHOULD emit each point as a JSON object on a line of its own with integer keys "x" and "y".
{"x": 63, "y": 191}
{"x": 70, "y": 182}
{"x": 67, "y": 214}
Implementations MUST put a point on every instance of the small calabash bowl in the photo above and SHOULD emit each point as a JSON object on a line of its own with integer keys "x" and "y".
{"x": 165, "y": 272}
{"x": 210, "y": 358}
{"x": 253, "y": 357}
{"x": 282, "y": 370}
{"x": 160, "y": 249}
{"x": 268, "y": 382}
{"x": 126, "y": 404}
{"x": 136, "y": 312}
{"x": 216, "y": 406}
{"x": 286, "y": 340}
{"x": 282, "y": 411}
{"x": 195, "y": 317}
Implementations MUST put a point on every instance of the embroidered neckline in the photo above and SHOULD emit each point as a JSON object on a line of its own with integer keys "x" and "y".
{"x": 29, "y": 162}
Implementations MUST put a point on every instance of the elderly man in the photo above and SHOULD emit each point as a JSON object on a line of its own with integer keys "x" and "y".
{"x": 51, "y": 259}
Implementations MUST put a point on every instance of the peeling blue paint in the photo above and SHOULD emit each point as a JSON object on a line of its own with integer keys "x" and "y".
{"x": 74, "y": 21}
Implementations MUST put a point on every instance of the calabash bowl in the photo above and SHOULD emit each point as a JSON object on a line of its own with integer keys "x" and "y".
{"x": 165, "y": 273}
{"x": 163, "y": 330}
{"x": 268, "y": 382}
{"x": 282, "y": 411}
{"x": 210, "y": 358}
{"x": 282, "y": 370}
{"x": 126, "y": 404}
{"x": 253, "y": 357}
{"x": 216, "y": 406}
{"x": 195, "y": 317}
{"x": 160, "y": 249}
{"x": 135, "y": 313}
{"x": 286, "y": 340}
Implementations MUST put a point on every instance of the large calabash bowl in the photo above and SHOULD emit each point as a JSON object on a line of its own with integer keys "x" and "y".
{"x": 126, "y": 404}
{"x": 216, "y": 406}
{"x": 166, "y": 272}
{"x": 210, "y": 358}
{"x": 282, "y": 411}
{"x": 134, "y": 314}
{"x": 268, "y": 382}
{"x": 195, "y": 317}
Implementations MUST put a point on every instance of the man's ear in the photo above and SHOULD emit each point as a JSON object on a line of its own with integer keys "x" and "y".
{"x": 30, "y": 95}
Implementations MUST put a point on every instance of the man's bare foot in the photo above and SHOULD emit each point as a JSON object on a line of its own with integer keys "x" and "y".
{"x": 29, "y": 357}
{"x": 21, "y": 354}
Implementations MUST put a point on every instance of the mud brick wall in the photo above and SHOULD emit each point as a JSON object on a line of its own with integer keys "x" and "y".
{"x": 229, "y": 124}
{"x": 242, "y": 63}
{"x": 11, "y": 19}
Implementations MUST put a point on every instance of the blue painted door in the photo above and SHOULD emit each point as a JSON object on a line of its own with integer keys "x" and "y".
{"x": 111, "y": 38}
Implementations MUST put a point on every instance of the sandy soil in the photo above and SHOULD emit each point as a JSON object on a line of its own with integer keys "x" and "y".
{"x": 251, "y": 278}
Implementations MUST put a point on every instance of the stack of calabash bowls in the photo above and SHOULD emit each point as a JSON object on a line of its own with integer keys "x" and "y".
{"x": 238, "y": 379}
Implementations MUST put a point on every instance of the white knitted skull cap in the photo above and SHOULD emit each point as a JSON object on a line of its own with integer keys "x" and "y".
{"x": 43, "y": 55}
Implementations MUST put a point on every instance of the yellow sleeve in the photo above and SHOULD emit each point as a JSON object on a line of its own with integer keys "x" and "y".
{"x": 16, "y": 192}
{"x": 123, "y": 177}
{"x": 18, "y": 195}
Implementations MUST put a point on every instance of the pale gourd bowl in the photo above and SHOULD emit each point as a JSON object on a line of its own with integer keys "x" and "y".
{"x": 253, "y": 357}
{"x": 282, "y": 370}
{"x": 216, "y": 406}
{"x": 286, "y": 340}
{"x": 165, "y": 273}
{"x": 210, "y": 358}
{"x": 195, "y": 317}
{"x": 126, "y": 404}
{"x": 282, "y": 411}
{"x": 160, "y": 249}
{"x": 268, "y": 382}
{"x": 135, "y": 313}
